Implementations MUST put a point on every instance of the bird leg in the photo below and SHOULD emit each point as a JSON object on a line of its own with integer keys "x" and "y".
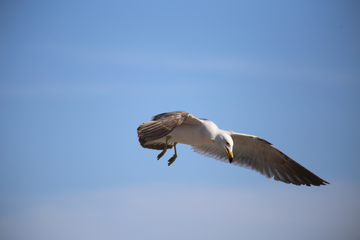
{"x": 165, "y": 149}
{"x": 173, "y": 158}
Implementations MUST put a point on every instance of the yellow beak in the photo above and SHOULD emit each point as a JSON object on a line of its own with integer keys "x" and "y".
{"x": 230, "y": 154}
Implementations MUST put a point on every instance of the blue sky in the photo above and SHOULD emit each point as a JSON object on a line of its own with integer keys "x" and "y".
{"x": 78, "y": 77}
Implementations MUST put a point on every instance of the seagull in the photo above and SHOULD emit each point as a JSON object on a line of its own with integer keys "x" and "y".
{"x": 165, "y": 130}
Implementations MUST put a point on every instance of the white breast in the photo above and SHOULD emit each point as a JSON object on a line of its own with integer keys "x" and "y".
{"x": 194, "y": 134}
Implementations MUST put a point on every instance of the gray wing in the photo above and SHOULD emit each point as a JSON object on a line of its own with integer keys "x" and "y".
{"x": 160, "y": 126}
{"x": 258, "y": 154}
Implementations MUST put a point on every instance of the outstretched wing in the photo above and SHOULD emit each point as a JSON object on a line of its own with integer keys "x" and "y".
{"x": 258, "y": 154}
{"x": 161, "y": 125}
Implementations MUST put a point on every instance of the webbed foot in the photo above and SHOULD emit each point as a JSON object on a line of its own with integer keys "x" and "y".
{"x": 172, "y": 159}
{"x": 161, "y": 154}
{"x": 165, "y": 148}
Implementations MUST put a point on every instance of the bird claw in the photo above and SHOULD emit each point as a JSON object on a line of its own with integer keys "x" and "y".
{"x": 161, "y": 154}
{"x": 171, "y": 160}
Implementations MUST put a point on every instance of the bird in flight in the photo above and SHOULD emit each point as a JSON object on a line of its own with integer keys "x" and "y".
{"x": 165, "y": 130}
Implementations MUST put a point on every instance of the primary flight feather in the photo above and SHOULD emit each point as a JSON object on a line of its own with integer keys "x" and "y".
{"x": 165, "y": 130}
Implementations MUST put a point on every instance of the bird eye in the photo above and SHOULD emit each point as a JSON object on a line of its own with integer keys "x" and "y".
{"x": 227, "y": 143}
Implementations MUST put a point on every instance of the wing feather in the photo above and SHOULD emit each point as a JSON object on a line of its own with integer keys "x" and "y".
{"x": 258, "y": 154}
{"x": 160, "y": 126}
{"x": 264, "y": 158}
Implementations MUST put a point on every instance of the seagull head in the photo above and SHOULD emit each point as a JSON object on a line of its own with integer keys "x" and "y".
{"x": 224, "y": 140}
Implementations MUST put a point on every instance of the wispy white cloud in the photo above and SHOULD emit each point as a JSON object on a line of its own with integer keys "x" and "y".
{"x": 57, "y": 90}
{"x": 266, "y": 67}
{"x": 243, "y": 67}
{"x": 158, "y": 212}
